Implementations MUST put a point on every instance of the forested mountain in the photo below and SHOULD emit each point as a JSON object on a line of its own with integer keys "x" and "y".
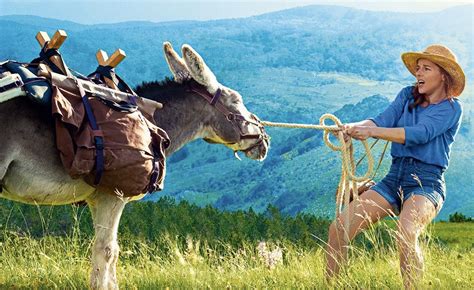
{"x": 290, "y": 66}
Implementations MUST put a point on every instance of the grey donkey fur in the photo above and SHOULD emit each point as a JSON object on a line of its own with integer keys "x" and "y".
{"x": 31, "y": 171}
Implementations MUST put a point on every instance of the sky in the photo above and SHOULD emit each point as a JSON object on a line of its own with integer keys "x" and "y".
{"x": 107, "y": 11}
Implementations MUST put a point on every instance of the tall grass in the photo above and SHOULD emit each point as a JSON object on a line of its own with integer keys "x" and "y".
{"x": 63, "y": 262}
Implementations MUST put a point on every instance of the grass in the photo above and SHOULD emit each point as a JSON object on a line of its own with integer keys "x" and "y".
{"x": 454, "y": 235}
{"x": 63, "y": 262}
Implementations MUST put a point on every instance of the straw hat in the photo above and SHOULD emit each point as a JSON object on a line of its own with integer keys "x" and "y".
{"x": 442, "y": 56}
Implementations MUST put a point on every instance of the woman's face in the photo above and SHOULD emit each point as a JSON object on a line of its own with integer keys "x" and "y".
{"x": 428, "y": 76}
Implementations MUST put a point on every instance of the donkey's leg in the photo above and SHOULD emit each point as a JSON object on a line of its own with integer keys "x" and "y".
{"x": 106, "y": 211}
{"x": 5, "y": 162}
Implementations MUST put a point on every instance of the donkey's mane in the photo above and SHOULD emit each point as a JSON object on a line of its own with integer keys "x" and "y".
{"x": 162, "y": 91}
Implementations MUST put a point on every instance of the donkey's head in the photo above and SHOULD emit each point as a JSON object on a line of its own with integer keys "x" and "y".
{"x": 228, "y": 120}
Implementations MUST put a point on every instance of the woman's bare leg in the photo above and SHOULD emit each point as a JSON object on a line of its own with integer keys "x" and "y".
{"x": 417, "y": 212}
{"x": 370, "y": 208}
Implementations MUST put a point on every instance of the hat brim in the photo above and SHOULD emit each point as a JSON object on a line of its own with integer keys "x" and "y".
{"x": 410, "y": 60}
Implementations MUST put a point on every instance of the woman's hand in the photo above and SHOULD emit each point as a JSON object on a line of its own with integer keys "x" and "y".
{"x": 356, "y": 131}
{"x": 346, "y": 137}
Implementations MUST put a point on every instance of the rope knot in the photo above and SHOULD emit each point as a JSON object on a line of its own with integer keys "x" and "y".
{"x": 348, "y": 177}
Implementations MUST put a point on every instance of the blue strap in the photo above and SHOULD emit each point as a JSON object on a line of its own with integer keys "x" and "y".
{"x": 45, "y": 56}
{"x": 109, "y": 72}
{"x": 156, "y": 172}
{"x": 98, "y": 140}
{"x": 152, "y": 187}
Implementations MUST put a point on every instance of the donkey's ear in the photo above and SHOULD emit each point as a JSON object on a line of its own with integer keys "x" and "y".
{"x": 176, "y": 64}
{"x": 198, "y": 69}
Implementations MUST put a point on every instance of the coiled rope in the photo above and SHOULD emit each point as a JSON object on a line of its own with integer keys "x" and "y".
{"x": 349, "y": 179}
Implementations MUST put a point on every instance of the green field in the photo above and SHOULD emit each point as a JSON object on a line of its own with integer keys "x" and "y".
{"x": 63, "y": 262}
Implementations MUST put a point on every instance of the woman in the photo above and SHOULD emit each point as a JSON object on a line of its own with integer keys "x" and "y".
{"x": 421, "y": 122}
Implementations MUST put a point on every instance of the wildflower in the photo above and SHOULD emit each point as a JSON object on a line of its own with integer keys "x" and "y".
{"x": 270, "y": 258}
{"x": 275, "y": 257}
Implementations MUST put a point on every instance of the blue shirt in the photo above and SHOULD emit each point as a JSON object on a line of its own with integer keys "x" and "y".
{"x": 429, "y": 132}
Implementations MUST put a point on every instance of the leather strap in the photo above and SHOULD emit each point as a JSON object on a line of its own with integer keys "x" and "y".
{"x": 97, "y": 134}
{"x": 102, "y": 72}
{"x": 45, "y": 56}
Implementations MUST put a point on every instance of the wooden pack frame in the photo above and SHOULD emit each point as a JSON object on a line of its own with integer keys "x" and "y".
{"x": 110, "y": 92}
{"x": 113, "y": 61}
{"x": 54, "y": 43}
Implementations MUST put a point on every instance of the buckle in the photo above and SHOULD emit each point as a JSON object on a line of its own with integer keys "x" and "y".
{"x": 99, "y": 143}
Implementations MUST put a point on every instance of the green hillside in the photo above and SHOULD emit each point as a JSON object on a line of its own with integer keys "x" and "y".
{"x": 290, "y": 66}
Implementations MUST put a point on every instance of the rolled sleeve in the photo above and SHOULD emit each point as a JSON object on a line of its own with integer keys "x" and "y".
{"x": 416, "y": 135}
{"x": 376, "y": 122}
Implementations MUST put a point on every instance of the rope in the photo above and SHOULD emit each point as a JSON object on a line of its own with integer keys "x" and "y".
{"x": 348, "y": 179}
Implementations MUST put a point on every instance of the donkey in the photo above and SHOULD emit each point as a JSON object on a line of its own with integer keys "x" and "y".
{"x": 196, "y": 106}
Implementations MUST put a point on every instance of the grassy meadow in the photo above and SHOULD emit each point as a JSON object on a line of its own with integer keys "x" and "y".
{"x": 63, "y": 262}
{"x": 290, "y": 66}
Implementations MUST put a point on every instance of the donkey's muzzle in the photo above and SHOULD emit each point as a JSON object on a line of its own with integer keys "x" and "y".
{"x": 259, "y": 150}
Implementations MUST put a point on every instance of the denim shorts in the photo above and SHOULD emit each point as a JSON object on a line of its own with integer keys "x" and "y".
{"x": 409, "y": 176}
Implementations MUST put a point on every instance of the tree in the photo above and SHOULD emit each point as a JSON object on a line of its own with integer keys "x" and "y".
{"x": 458, "y": 217}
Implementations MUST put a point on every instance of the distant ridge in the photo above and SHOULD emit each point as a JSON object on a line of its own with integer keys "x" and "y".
{"x": 50, "y": 23}
{"x": 306, "y": 11}
{"x": 289, "y": 66}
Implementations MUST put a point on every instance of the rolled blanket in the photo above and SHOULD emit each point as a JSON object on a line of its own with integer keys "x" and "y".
{"x": 38, "y": 89}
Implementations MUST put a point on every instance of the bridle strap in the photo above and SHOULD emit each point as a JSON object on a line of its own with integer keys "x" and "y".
{"x": 231, "y": 117}
{"x": 216, "y": 97}
{"x": 212, "y": 99}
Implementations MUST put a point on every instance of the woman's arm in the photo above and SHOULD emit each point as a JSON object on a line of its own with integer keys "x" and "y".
{"x": 365, "y": 129}
{"x": 396, "y": 135}
{"x": 382, "y": 126}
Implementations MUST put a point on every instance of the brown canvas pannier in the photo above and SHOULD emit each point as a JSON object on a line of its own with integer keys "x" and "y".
{"x": 133, "y": 147}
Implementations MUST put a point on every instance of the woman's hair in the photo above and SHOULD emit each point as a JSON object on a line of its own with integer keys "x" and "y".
{"x": 420, "y": 98}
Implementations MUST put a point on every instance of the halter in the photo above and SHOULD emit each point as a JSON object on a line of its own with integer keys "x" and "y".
{"x": 233, "y": 118}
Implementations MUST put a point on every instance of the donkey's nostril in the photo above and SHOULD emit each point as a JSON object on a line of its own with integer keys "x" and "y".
{"x": 258, "y": 151}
